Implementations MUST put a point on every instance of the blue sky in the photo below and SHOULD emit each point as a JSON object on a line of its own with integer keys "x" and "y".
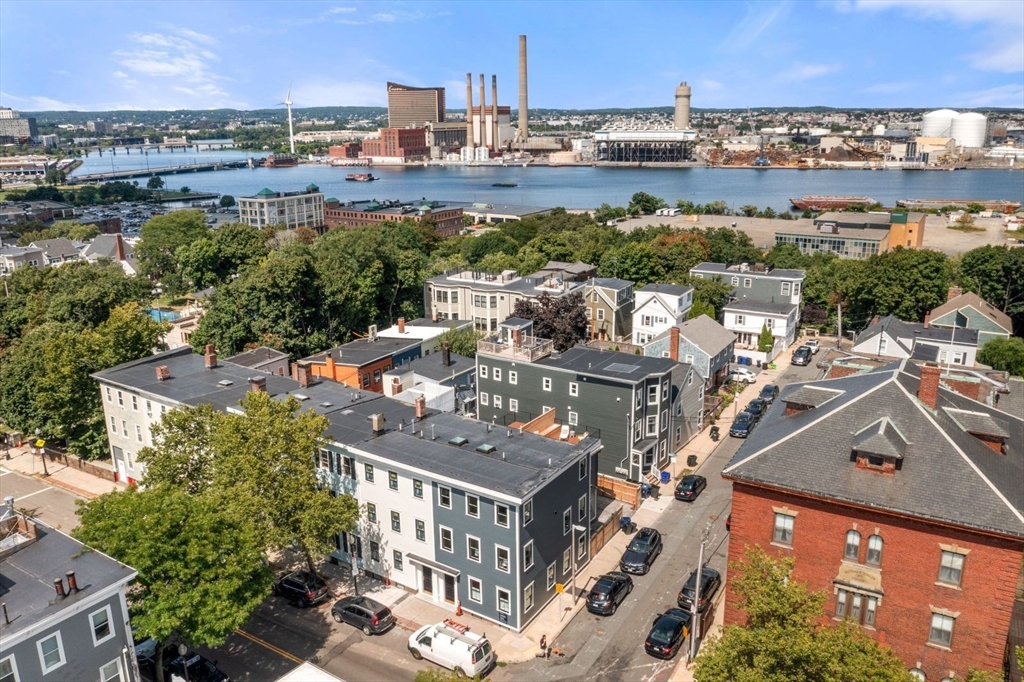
{"x": 173, "y": 55}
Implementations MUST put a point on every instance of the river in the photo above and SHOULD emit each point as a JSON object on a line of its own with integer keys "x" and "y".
{"x": 575, "y": 187}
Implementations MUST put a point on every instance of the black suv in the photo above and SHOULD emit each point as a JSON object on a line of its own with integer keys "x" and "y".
{"x": 608, "y": 592}
{"x": 200, "y": 669}
{"x": 302, "y": 587}
{"x": 669, "y": 631}
{"x": 370, "y": 616}
{"x": 802, "y": 356}
{"x": 769, "y": 393}
{"x": 710, "y": 583}
{"x": 690, "y": 487}
{"x": 641, "y": 552}
{"x": 756, "y": 407}
{"x": 742, "y": 425}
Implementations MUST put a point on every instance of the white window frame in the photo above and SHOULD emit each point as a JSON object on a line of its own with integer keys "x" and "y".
{"x": 135, "y": 403}
{"x": 482, "y": 371}
{"x": 60, "y": 651}
{"x": 513, "y": 377}
{"x": 120, "y": 399}
{"x": 581, "y": 468}
{"x": 496, "y": 402}
{"x": 746, "y": 282}
{"x": 528, "y": 597}
{"x": 496, "y": 374}
{"x": 138, "y": 432}
{"x": 955, "y": 557}
{"x": 943, "y": 619}
{"x": 451, "y": 539}
{"x": 110, "y": 625}
{"x": 14, "y": 666}
{"x": 110, "y": 399}
{"x": 468, "y": 512}
{"x": 469, "y": 551}
{"x": 440, "y": 500}
{"x": 786, "y": 286}
{"x": 786, "y": 527}
{"x": 527, "y": 512}
{"x": 546, "y": 383}
{"x": 552, "y": 574}
{"x": 513, "y": 405}
{"x": 574, "y": 419}
{"x": 567, "y": 522}
{"x": 651, "y": 425}
{"x": 528, "y": 565}
{"x": 574, "y": 389}
{"x": 600, "y": 314}
{"x": 497, "y": 559}
{"x": 652, "y": 394}
{"x": 689, "y": 359}
{"x": 120, "y": 671}
{"x": 567, "y": 561}
{"x": 581, "y": 508}
{"x": 497, "y": 506}
{"x": 479, "y": 590}
{"x": 484, "y": 399}
{"x": 508, "y": 600}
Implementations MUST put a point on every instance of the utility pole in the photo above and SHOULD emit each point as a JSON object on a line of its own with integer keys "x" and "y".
{"x": 695, "y": 607}
{"x": 839, "y": 337}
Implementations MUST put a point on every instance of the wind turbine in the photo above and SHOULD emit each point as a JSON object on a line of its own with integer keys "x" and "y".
{"x": 291, "y": 131}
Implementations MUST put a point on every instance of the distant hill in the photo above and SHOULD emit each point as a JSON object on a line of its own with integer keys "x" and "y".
{"x": 225, "y": 115}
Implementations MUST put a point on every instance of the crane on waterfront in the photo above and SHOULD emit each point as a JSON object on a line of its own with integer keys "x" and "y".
{"x": 291, "y": 131}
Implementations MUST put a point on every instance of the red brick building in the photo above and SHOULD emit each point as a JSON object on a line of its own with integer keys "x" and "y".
{"x": 406, "y": 143}
{"x": 903, "y": 500}
{"x": 349, "y": 150}
{"x": 448, "y": 220}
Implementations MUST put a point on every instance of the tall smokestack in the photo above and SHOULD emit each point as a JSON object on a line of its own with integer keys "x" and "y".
{"x": 494, "y": 111}
{"x": 483, "y": 112}
{"x": 682, "y": 118}
{"x": 469, "y": 111}
{"x": 524, "y": 112}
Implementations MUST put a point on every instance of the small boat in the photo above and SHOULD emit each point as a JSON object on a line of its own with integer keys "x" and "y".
{"x": 505, "y": 184}
{"x": 360, "y": 177}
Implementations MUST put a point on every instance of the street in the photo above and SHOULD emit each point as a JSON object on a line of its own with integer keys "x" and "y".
{"x": 53, "y": 506}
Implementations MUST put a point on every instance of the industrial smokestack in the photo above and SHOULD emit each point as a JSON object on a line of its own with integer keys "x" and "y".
{"x": 682, "y": 118}
{"x": 483, "y": 112}
{"x": 469, "y": 111}
{"x": 494, "y": 112}
{"x": 524, "y": 114}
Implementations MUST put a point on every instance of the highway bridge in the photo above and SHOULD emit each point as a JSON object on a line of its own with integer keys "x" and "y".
{"x": 165, "y": 170}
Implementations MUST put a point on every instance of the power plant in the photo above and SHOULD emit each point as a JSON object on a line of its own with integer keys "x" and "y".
{"x": 651, "y": 145}
{"x": 524, "y": 111}
{"x": 682, "y": 117}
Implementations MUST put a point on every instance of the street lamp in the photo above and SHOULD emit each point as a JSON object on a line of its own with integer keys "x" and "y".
{"x": 575, "y": 554}
{"x": 42, "y": 453}
{"x": 182, "y": 651}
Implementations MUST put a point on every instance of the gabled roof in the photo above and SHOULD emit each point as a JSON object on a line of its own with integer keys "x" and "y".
{"x": 748, "y": 305}
{"x": 105, "y": 246}
{"x": 61, "y": 247}
{"x": 972, "y": 300}
{"x": 666, "y": 289}
{"x": 707, "y": 334}
{"x": 946, "y": 474}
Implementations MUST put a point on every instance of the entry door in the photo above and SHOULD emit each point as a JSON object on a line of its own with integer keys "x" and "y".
{"x": 428, "y": 580}
{"x": 449, "y": 588}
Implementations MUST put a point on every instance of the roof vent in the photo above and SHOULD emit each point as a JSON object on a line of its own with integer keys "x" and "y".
{"x": 300, "y": 396}
{"x": 326, "y": 404}
{"x": 225, "y": 382}
{"x": 485, "y": 448}
{"x": 457, "y": 441}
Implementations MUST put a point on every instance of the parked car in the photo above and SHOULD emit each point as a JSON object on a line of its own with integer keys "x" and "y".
{"x": 756, "y": 407}
{"x": 199, "y": 668}
{"x": 742, "y": 375}
{"x": 641, "y": 552}
{"x": 769, "y": 393}
{"x": 710, "y": 583}
{"x": 813, "y": 345}
{"x": 370, "y": 616}
{"x": 302, "y": 588}
{"x": 802, "y": 356}
{"x": 690, "y": 487}
{"x": 145, "y": 648}
{"x": 669, "y": 631}
{"x": 742, "y": 425}
{"x": 608, "y": 592}
{"x": 451, "y": 645}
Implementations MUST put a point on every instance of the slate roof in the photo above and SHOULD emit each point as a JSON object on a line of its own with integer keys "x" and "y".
{"x": 61, "y": 247}
{"x": 761, "y": 307}
{"x": 945, "y": 474}
{"x": 901, "y": 331}
{"x": 362, "y": 352}
{"x": 707, "y": 334}
{"x": 105, "y": 246}
{"x": 972, "y": 300}
{"x": 668, "y": 289}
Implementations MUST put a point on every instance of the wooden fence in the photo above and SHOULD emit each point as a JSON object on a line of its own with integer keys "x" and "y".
{"x": 601, "y": 537}
{"x": 618, "y": 489}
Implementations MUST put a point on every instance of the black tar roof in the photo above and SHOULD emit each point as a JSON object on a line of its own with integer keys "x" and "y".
{"x": 257, "y": 356}
{"x": 432, "y": 366}
{"x": 723, "y": 269}
{"x": 623, "y": 366}
{"x": 946, "y": 474}
{"x": 364, "y": 351}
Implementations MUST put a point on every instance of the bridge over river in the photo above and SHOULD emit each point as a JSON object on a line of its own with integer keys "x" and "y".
{"x": 164, "y": 170}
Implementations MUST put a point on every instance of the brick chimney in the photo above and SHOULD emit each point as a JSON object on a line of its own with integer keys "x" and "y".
{"x": 396, "y": 385}
{"x": 421, "y": 407}
{"x": 927, "y": 319}
{"x": 258, "y": 384}
{"x": 401, "y": 325}
{"x": 953, "y": 293}
{"x": 673, "y": 343}
{"x": 163, "y": 372}
{"x": 211, "y": 357}
{"x": 874, "y": 320}
{"x": 329, "y": 367}
{"x": 446, "y": 355}
{"x": 303, "y": 374}
{"x": 928, "y": 389}
{"x": 119, "y": 245}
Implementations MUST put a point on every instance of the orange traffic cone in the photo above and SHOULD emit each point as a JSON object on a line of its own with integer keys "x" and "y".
{"x": 458, "y": 607}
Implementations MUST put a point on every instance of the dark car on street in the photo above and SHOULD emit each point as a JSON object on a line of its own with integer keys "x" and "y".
{"x": 608, "y": 592}
{"x": 742, "y": 425}
{"x": 710, "y": 583}
{"x": 302, "y": 588}
{"x": 641, "y": 552}
{"x": 370, "y": 616}
{"x": 690, "y": 487}
{"x": 769, "y": 393}
{"x": 802, "y": 356}
{"x": 669, "y": 631}
{"x": 200, "y": 668}
{"x": 756, "y": 407}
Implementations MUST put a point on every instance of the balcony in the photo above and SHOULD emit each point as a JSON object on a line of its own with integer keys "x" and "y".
{"x": 525, "y": 349}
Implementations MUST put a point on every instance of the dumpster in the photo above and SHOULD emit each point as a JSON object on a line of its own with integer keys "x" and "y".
{"x": 664, "y": 478}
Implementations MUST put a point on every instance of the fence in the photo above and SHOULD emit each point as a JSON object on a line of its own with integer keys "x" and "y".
{"x": 601, "y": 537}
{"x": 100, "y": 469}
{"x": 616, "y": 488}
{"x": 616, "y": 346}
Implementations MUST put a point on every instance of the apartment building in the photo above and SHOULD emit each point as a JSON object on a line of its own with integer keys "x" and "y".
{"x": 700, "y": 342}
{"x": 758, "y": 282}
{"x": 446, "y": 217}
{"x": 658, "y": 307}
{"x": 609, "y": 304}
{"x": 283, "y": 210}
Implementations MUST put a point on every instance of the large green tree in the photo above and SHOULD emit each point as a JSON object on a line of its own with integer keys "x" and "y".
{"x": 461, "y": 341}
{"x": 201, "y": 566}
{"x": 903, "y": 282}
{"x": 563, "y": 320}
{"x": 1004, "y": 354}
{"x": 635, "y": 261}
{"x": 161, "y": 237}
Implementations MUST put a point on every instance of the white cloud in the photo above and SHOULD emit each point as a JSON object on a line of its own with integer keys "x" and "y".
{"x": 393, "y": 17}
{"x": 39, "y": 103}
{"x": 709, "y": 85}
{"x": 803, "y": 72}
{"x": 340, "y": 10}
{"x": 759, "y": 17}
{"x": 1011, "y": 95}
{"x": 890, "y": 88}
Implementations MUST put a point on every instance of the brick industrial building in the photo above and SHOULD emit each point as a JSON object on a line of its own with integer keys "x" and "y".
{"x": 447, "y": 218}
{"x": 899, "y": 498}
{"x": 399, "y": 144}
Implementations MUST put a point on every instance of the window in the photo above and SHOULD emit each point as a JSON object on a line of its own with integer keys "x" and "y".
{"x": 348, "y": 465}
{"x": 376, "y": 376}
{"x": 483, "y": 371}
{"x": 881, "y": 345}
{"x": 120, "y": 399}
{"x": 473, "y": 548}
{"x": 497, "y": 402}
{"x": 325, "y": 459}
{"x": 446, "y": 539}
{"x": 417, "y": 488}
{"x": 484, "y": 399}
{"x": 951, "y": 568}
{"x": 528, "y": 556}
{"x": 124, "y": 428}
{"x": 841, "y": 603}
{"x": 101, "y": 628}
{"x": 111, "y": 672}
{"x": 513, "y": 377}
{"x": 504, "y": 601}
{"x": 796, "y": 288}
{"x": 639, "y": 398}
{"x": 567, "y": 561}
{"x": 739, "y": 320}
{"x": 444, "y": 496}
{"x": 574, "y": 419}
{"x": 583, "y": 468}
{"x": 769, "y": 322}
{"x": 664, "y": 419}
{"x": 735, "y": 281}
{"x": 135, "y": 404}
{"x": 528, "y": 598}
{"x": 374, "y": 551}
{"x": 366, "y": 380}
{"x": 581, "y": 545}
{"x": 398, "y": 563}
{"x": 513, "y": 405}
{"x": 600, "y": 313}
{"x": 551, "y": 576}
{"x": 9, "y": 669}
{"x": 527, "y": 512}
{"x": 652, "y": 425}
{"x": 783, "y": 529}
{"x": 501, "y": 558}
{"x": 785, "y": 288}
{"x": 746, "y": 282}
{"x": 421, "y": 531}
{"x": 368, "y": 472}
{"x": 51, "y": 652}
{"x": 496, "y": 374}
{"x": 857, "y": 607}
{"x": 473, "y": 506}
{"x": 652, "y": 395}
{"x": 501, "y": 515}
{"x": 396, "y": 522}
{"x": 138, "y": 433}
{"x": 371, "y": 512}
{"x": 567, "y": 521}
{"x": 581, "y": 508}
{"x": 875, "y": 550}
{"x": 113, "y": 425}
{"x": 475, "y": 589}
{"x": 941, "y": 632}
{"x": 547, "y": 384}
{"x": 637, "y": 429}
{"x": 393, "y": 480}
{"x": 109, "y": 400}
{"x": 574, "y": 389}
{"x": 852, "y": 546}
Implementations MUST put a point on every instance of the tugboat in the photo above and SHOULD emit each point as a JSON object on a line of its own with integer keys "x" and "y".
{"x": 360, "y": 177}
{"x": 505, "y": 184}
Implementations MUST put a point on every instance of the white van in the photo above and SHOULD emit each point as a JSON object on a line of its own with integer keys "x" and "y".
{"x": 451, "y": 645}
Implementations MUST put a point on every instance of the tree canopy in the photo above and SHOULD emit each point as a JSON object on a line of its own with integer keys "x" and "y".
{"x": 562, "y": 319}
{"x": 160, "y": 239}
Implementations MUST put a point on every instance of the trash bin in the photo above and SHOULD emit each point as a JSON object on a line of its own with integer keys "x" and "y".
{"x": 691, "y": 461}
{"x": 645, "y": 490}
{"x": 664, "y": 478}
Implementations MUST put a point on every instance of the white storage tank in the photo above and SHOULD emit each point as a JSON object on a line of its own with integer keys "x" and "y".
{"x": 969, "y": 129}
{"x": 938, "y": 123}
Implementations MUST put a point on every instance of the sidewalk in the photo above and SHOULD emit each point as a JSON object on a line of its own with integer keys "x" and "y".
{"x": 78, "y": 482}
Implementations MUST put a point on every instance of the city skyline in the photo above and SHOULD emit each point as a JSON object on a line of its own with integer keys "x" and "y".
{"x": 859, "y": 54}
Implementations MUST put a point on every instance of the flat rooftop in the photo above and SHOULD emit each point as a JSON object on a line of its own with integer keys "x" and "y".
{"x": 364, "y": 351}
{"x": 257, "y": 356}
{"x": 865, "y": 233}
{"x": 747, "y": 270}
{"x": 598, "y": 363}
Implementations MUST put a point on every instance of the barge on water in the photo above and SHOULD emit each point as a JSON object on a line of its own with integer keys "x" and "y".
{"x": 280, "y": 161}
{"x": 830, "y": 203}
{"x": 360, "y": 177}
{"x": 1000, "y": 205}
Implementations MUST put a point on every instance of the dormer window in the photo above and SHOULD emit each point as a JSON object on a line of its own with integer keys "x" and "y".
{"x": 879, "y": 447}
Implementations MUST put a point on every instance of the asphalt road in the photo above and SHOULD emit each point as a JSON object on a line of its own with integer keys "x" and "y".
{"x": 53, "y": 506}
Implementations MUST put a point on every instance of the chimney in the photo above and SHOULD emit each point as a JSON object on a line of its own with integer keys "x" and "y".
{"x": 421, "y": 407}
{"x": 163, "y": 372}
{"x": 446, "y": 355}
{"x": 927, "y": 319}
{"x": 377, "y": 423}
{"x": 524, "y": 114}
{"x": 72, "y": 582}
{"x": 330, "y": 367}
{"x": 953, "y": 293}
{"x": 258, "y": 384}
{"x": 58, "y": 585}
{"x": 494, "y": 111}
{"x": 874, "y": 320}
{"x": 303, "y": 374}
{"x": 483, "y": 113}
{"x": 119, "y": 245}
{"x": 401, "y": 325}
{"x": 211, "y": 357}
{"x": 928, "y": 389}
{"x": 396, "y": 386}
{"x": 469, "y": 111}
{"x": 673, "y": 343}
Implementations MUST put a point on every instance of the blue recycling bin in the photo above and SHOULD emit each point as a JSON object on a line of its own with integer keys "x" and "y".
{"x": 664, "y": 478}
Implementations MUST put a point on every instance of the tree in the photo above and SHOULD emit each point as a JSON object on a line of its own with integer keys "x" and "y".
{"x": 227, "y": 201}
{"x": 462, "y": 340}
{"x": 787, "y": 256}
{"x": 563, "y": 320}
{"x": 487, "y": 243}
{"x": 161, "y": 237}
{"x": 605, "y": 213}
{"x": 186, "y": 190}
{"x": 903, "y": 282}
{"x": 765, "y": 342}
{"x": 201, "y": 567}
{"x": 306, "y": 235}
{"x": 713, "y": 294}
{"x": 635, "y": 261}
{"x": 748, "y": 210}
{"x": 155, "y": 182}
{"x": 784, "y": 640}
{"x": 198, "y": 264}
{"x": 680, "y": 251}
{"x": 643, "y": 203}
{"x": 182, "y": 453}
{"x": 239, "y": 246}
{"x": 730, "y": 246}
{"x": 1004, "y": 354}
